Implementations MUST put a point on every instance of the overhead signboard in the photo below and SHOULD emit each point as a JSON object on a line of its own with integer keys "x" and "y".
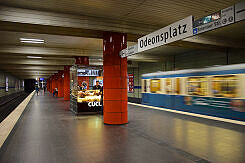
{"x": 129, "y": 51}
{"x": 227, "y": 16}
{"x": 216, "y": 20}
{"x": 240, "y": 11}
{"x": 207, "y": 27}
{"x": 87, "y": 72}
{"x": 174, "y": 32}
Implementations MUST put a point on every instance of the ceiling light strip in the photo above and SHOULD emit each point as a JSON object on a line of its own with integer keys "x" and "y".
{"x": 34, "y": 42}
{"x": 36, "y": 57}
{"x": 31, "y": 40}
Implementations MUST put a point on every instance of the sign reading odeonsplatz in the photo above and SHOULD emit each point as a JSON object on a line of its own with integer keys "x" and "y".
{"x": 173, "y": 32}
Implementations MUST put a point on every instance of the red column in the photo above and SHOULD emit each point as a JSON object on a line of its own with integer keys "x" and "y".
{"x": 67, "y": 83}
{"x": 47, "y": 84}
{"x": 60, "y": 84}
{"x": 50, "y": 85}
{"x": 50, "y": 82}
{"x": 56, "y": 80}
{"x": 53, "y": 83}
{"x": 115, "y": 79}
{"x": 82, "y": 60}
{"x": 63, "y": 85}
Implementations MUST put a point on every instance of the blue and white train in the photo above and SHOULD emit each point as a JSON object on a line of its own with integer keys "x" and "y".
{"x": 215, "y": 91}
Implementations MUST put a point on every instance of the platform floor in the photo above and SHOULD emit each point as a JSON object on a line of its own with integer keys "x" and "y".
{"x": 48, "y": 133}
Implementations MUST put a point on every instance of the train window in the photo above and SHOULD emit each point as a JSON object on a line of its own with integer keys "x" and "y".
{"x": 145, "y": 84}
{"x": 155, "y": 85}
{"x": 177, "y": 86}
{"x": 168, "y": 86}
{"x": 224, "y": 86}
{"x": 197, "y": 86}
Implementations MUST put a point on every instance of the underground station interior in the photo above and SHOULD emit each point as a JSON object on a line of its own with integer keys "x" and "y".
{"x": 122, "y": 81}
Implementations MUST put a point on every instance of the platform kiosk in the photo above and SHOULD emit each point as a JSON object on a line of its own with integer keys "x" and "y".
{"x": 83, "y": 99}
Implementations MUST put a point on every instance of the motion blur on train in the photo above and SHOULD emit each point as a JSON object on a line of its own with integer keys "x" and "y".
{"x": 215, "y": 91}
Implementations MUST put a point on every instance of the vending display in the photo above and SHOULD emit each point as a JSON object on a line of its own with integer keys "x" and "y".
{"x": 84, "y": 100}
{"x": 89, "y": 96}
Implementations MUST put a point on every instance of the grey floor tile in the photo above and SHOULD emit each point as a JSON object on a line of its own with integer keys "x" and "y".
{"x": 47, "y": 132}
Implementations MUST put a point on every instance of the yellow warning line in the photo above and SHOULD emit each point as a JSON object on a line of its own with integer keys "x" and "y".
{"x": 9, "y": 122}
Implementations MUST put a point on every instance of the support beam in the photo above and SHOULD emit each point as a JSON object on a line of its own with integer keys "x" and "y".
{"x": 47, "y": 51}
{"x": 36, "y": 62}
{"x": 30, "y": 67}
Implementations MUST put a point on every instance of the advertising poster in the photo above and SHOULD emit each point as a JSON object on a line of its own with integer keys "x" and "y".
{"x": 6, "y": 84}
{"x": 130, "y": 83}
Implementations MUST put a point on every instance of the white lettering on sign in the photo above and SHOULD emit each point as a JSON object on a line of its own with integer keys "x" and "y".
{"x": 174, "y": 32}
{"x": 93, "y": 104}
{"x": 240, "y": 11}
{"x": 207, "y": 27}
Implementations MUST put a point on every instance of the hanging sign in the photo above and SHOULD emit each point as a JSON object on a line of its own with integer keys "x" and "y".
{"x": 216, "y": 20}
{"x": 87, "y": 72}
{"x": 129, "y": 51}
{"x": 240, "y": 11}
{"x": 227, "y": 16}
{"x": 174, "y": 32}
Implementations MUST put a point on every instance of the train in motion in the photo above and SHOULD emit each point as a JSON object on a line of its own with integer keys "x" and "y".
{"x": 215, "y": 91}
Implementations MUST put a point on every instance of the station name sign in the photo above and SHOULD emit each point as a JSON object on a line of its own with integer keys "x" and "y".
{"x": 131, "y": 50}
{"x": 173, "y": 32}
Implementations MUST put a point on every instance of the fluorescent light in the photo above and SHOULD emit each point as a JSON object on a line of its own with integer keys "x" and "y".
{"x": 31, "y": 40}
{"x": 36, "y": 57}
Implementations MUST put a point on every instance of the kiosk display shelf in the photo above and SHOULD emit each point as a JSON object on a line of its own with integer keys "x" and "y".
{"x": 82, "y": 99}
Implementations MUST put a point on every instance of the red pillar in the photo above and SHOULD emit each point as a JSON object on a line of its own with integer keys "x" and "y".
{"x": 47, "y": 84}
{"x": 60, "y": 84}
{"x": 53, "y": 83}
{"x": 50, "y": 84}
{"x": 56, "y": 80}
{"x": 67, "y": 83}
{"x": 115, "y": 79}
{"x": 82, "y": 60}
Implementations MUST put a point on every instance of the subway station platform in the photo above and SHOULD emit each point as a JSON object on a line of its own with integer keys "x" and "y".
{"x": 47, "y": 132}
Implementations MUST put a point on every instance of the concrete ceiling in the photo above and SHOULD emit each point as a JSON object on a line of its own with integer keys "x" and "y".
{"x": 75, "y": 28}
{"x": 147, "y": 12}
